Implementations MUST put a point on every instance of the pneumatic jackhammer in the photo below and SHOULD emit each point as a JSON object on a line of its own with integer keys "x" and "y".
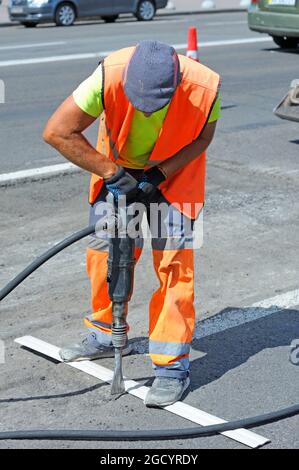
{"x": 120, "y": 278}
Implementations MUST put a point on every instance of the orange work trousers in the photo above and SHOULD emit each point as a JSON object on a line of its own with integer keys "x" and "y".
{"x": 171, "y": 308}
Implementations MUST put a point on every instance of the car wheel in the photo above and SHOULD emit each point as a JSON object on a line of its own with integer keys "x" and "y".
{"x": 146, "y": 10}
{"x": 285, "y": 42}
{"x": 65, "y": 14}
{"x": 110, "y": 19}
{"x": 29, "y": 25}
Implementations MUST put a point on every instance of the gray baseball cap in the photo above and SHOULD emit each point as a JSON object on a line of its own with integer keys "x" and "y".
{"x": 152, "y": 76}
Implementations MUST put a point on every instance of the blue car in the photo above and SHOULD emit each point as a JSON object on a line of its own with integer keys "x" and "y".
{"x": 64, "y": 13}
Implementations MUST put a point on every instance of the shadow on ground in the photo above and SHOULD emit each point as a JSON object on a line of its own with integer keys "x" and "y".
{"x": 282, "y": 51}
{"x": 223, "y": 351}
{"x": 231, "y": 348}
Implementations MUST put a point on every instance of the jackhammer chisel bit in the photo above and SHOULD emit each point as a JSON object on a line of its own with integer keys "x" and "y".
{"x": 119, "y": 340}
{"x": 118, "y": 384}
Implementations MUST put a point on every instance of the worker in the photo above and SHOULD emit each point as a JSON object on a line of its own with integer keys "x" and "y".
{"x": 158, "y": 112}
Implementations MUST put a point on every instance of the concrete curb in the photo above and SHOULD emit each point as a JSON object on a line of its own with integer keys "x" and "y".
{"x": 170, "y": 13}
{"x": 4, "y": 25}
{"x": 203, "y": 12}
{"x": 38, "y": 174}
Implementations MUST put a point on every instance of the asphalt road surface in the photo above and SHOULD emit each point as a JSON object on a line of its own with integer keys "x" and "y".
{"x": 250, "y": 248}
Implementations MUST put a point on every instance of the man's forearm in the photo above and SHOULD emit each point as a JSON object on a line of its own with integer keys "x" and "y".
{"x": 189, "y": 153}
{"x": 183, "y": 157}
{"x": 64, "y": 131}
{"x": 79, "y": 151}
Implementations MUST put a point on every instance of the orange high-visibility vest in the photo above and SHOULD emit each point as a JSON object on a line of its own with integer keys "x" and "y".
{"x": 186, "y": 118}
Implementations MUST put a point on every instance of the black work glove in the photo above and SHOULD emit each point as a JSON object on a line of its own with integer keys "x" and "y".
{"x": 148, "y": 186}
{"x": 122, "y": 184}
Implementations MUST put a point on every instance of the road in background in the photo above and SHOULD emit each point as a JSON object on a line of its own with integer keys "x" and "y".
{"x": 250, "y": 250}
{"x": 30, "y": 101}
{"x": 174, "y": 6}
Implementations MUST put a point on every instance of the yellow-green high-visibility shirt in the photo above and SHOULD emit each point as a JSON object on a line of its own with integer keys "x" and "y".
{"x": 144, "y": 131}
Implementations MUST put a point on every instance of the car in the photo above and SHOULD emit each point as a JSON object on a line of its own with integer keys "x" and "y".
{"x": 278, "y": 18}
{"x": 64, "y": 13}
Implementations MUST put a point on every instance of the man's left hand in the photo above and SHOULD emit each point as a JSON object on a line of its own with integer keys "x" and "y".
{"x": 148, "y": 186}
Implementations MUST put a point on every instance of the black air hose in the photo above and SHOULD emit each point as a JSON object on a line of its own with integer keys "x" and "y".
{"x": 44, "y": 258}
{"x": 163, "y": 434}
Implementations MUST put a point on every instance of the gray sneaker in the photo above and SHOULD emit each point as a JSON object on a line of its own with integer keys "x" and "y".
{"x": 89, "y": 349}
{"x": 166, "y": 391}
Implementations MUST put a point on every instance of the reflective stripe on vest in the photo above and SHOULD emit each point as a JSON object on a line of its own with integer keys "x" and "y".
{"x": 187, "y": 116}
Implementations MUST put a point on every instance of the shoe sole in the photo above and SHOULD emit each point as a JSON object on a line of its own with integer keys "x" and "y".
{"x": 125, "y": 352}
{"x": 162, "y": 405}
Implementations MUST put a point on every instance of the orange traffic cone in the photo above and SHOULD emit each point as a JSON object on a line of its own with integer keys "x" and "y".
{"x": 192, "y": 49}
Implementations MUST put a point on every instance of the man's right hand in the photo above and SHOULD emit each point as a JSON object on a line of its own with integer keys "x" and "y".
{"x": 122, "y": 184}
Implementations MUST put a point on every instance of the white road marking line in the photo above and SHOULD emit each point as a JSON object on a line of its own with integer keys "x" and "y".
{"x": 58, "y": 58}
{"x": 223, "y": 23}
{"x": 225, "y": 42}
{"x": 37, "y": 173}
{"x": 237, "y": 317}
{"x": 155, "y": 22}
{"x": 94, "y": 55}
{"x": 29, "y": 46}
{"x": 134, "y": 388}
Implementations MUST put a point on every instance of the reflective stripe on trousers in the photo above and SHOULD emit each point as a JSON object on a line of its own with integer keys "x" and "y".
{"x": 171, "y": 309}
